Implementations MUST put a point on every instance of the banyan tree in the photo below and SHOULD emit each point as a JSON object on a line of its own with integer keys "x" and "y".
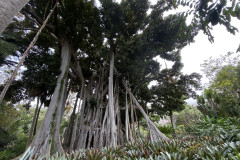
{"x": 107, "y": 63}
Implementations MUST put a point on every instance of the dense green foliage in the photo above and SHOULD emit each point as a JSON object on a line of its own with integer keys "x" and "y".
{"x": 188, "y": 117}
{"x": 228, "y": 129}
{"x": 15, "y": 123}
{"x": 221, "y": 98}
{"x": 169, "y": 94}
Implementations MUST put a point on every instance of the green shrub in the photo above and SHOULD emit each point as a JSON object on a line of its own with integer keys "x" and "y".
{"x": 20, "y": 145}
{"x": 17, "y": 148}
{"x": 5, "y": 138}
{"x": 180, "y": 131}
{"x": 189, "y": 116}
{"x": 7, "y": 154}
{"x": 226, "y": 128}
{"x": 167, "y": 130}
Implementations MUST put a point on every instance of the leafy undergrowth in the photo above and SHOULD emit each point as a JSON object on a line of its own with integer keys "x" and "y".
{"x": 191, "y": 148}
{"x": 209, "y": 139}
{"x": 228, "y": 129}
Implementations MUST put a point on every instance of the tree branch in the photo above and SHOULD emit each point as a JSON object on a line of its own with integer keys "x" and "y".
{"x": 77, "y": 69}
{"x": 37, "y": 18}
{"x": 22, "y": 28}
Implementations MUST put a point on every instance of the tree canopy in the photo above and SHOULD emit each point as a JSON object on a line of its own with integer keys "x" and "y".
{"x": 222, "y": 95}
{"x": 103, "y": 57}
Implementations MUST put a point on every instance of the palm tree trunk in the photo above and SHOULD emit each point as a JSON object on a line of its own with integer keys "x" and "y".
{"x": 8, "y": 9}
{"x": 24, "y": 55}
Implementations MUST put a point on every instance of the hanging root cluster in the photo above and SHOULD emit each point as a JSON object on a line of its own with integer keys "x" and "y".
{"x": 90, "y": 122}
{"x": 104, "y": 113}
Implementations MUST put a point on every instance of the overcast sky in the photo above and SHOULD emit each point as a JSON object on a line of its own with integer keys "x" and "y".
{"x": 194, "y": 54}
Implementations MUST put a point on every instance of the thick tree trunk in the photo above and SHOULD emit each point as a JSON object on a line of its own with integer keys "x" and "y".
{"x": 60, "y": 110}
{"x": 9, "y": 82}
{"x": 113, "y": 127}
{"x": 8, "y": 9}
{"x": 47, "y": 138}
{"x": 33, "y": 124}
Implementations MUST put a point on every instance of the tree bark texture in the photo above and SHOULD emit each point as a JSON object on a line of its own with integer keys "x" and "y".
{"x": 47, "y": 138}
{"x": 111, "y": 103}
{"x": 8, "y": 9}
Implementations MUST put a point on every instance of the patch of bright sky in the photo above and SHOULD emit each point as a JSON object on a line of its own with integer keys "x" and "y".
{"x": 195, "y": 54}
